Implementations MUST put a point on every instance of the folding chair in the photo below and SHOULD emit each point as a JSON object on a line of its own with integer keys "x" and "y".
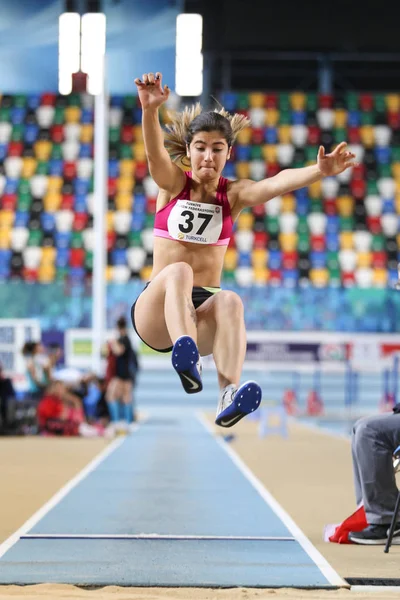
{"x": 396, "y": 466}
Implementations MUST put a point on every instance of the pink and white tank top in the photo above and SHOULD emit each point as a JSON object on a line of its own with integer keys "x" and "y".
{"x": 196, "y": 222}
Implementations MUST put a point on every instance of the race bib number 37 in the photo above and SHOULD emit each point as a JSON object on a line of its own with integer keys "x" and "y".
{"x": 195, "y": 222}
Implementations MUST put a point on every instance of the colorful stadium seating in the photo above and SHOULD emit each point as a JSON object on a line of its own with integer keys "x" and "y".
{"x": 341, "y": 231}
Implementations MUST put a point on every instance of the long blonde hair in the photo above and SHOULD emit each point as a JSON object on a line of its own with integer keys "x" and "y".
{"x": 183, "y": 125}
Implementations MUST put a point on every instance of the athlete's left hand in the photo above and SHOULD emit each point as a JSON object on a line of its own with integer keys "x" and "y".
{"x": 337, "y": 161}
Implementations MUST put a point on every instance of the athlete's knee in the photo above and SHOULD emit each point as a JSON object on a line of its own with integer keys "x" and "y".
{"x": 181, "y": 272}
{"x": 230, "y": 303}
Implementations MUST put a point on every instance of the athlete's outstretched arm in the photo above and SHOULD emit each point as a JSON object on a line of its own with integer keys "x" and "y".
{"x": 252, "y": 193}
{"x": 152, "y": 95}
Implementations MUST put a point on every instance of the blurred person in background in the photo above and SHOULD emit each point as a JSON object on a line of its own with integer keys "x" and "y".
{"x": 122, "y": 372}
{"x": 7, "y": 395}
{"x": 38, "y": 368}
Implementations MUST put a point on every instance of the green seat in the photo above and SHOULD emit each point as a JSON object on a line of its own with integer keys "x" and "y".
{"x": 311, "y": 102}
{"x": 367, "y": 118}
{"x": 372, "y": 188}
{"x": 134, "y": 239}
{"x": 378, "y": 242}
{"x": 149, "y": 221}
{"x": 129, "y": 101}
{"x": 56, "y": 151}
{"x": 272, "y": 225}
{"x": 35, "y": 237}
{"x": 316, "y": 205}
{"x": 332, "y": 260}
{"x": 380, "y": 103}
{"x": 76, "y": 239}
{"x": 334, "y": 275}
{"x": 396, "y": 154}
{"x": 384, "y": 171}
{"x": 91, "y": 185}
{"x": 4, "y": 115}
{"x": 302, "y": 225}
{"x": 285, "y": 117}
{"x": 243, "y": 101}
{"x": 20, "y": 101}
{"x": 42, "y": 168}
{"x": 24, "y": 186}
{"x": 303, "y": 243}
{"x": 74, "y": 100}
{"x": 346, "y": 223}
{"x": 298, "y": 164}
{"x": 89, "y": 260}
{"x": 61, "y": 274}
{"x": 284, "y": 102}
{"x": 17, "y": 134}
{"x": 311, "y": 153}
{"x": 256, "y": 153}
{"x": 339, "y": 134}
{"x": 352, "y": 101}
{"x": 59, "y": 116}
{"x": 114, "y": 135}
{"x": 24, "y": 201}
{"x": 229, "y": 276}
{"x": 125, "y": 151}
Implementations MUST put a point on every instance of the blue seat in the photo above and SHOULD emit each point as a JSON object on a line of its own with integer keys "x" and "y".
{"x": 77, "y": 274}
{"x": 85, "y": 151}
{"x": 332, "y": 242}
{"x": 229, "y": 101}
{"x": 80, "y": 203}
{"x": 62, "y": 257}
{"x": 21, "y": 218}
{"x": 5, "y": 272}
{"x": 271, "y": 135}
{"x": 290, "y": 277}
{"x": 137, "y": 115}
{"x": 87, "y": 116}
{"x": 229, "y": 170}
{"x": 138, "y": 220}
{"x": 3, "y": 151}
{"x": 5, "y": 256}
{"x": 383, "y": 155}
{"x": 353, "y": 118}
{"x": 275, "y": 259}
{"x": 318, "y": 259}
{"x": 299, "y": 117}
{"x": 389, "y": 206}
{"x": 33, "y": 101}
{"x": 62, "y": 239}
{"x": 332, "y": 224}
{"x": 139, "y": 203}
{"x": 17, "y": 115}
{"x": 81, "y": 186}
{"x": 11, "y": 186}
{"x": 242, "y": 153}
{"x": 118, "y": 256}
{"x": 302, "y": 206}
{"x": 113, "y": 168}
{"x": 244, "y": 259}
{"x": 48, "y": 221}
{"x": 56, "y": 167}
{"x": 116, "y": 100}
{"x": 31, "y": 133}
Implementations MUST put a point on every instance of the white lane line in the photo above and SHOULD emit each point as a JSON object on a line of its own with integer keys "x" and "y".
{"x": 149, "y": 536}
{"x": 331, "y": 575}
{"x": 58, "y": 496}
{"x": 375, "y": 588}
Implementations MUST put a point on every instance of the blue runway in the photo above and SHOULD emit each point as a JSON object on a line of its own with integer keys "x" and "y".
{"x": 169, "y": 505}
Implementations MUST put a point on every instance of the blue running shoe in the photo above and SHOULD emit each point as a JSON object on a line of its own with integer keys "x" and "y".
{"x": 234, "y": 404}
{"x": 186, "y": 362}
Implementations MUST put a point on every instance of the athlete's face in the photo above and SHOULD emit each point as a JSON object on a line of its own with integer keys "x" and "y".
{"x": 208, "y": 153}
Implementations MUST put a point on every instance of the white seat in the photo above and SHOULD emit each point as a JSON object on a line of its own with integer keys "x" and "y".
{"x": 39, "y": 185}
{"x": 244, "y": 240}
{"x": 390, "y": 224}
{"x": 84, "y": 168}
{"x": 345, "y": 176}
{"x": 5, "y": 132}
{"x": 373, "y": 205}
{"x": 87, "y": 101}
{"x": 326, "y": 118}
{"x": 244, "y": 276}
{"x": 32, "y": 256}
{"x": 3, "y": 181}
{"x": 45, "y": 116}
{"x": 64, "y": 220}
{"x": 147, "y": 239}
{"x": 72, "y": 132}
{"x": 115, "y": 116}
{"x": 285, "y": 154}
{"x": 135, "y": 257}
{"x": 386, "y": 187}
{"x": 120, "y": 274}
{"x": 173, "y": 102}
{"x": 364, "y": 277}
{"x": 13, "y": 166}
{"x": 362, "y": 241}
{"x": 150, "y": 187}
{"x": 258, "y": 169}
{"x": 317, "y": 223}
{"x": 19, "y": 238}
{"x": 257, "y": 117}
{"x": 358, "y": 150}
{"x": 273, "y": 206}
{"x": 347, "y": 260}
{"x": 299, "y": 135}
{"x": 122, "y": 221}
{"x": 383, "y": 135}
{"x": 329, "y": 187}
{"x": 88, "y": 238}
{"x": 70, "y": 150}
{"x": 288, "y": 222}
{"x": 90, "y": 202}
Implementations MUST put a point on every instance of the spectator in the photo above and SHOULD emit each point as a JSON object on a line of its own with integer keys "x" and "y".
{"x": 374, "y": 440}
{"x": 38, "y": 368}
{"x": 7, "y": 394}
{"x": 122, "y": 371}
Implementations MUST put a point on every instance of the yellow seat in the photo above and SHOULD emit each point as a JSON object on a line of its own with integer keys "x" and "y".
{"x": 110, "y": 220}
{"x": 285, "y": 134}
{"x": 145, "y": 273}
{"x": 319, "y": 277}
{"x": 123, "y": 201}
{"x": 138, "y": 150}
{"x": 245, "y": 221}
{"x": 46, "y": 273}
{"x": 6, "y": 218}
{"x": 127, "y": 166}
{"x": 397, "y": 186}
{"x": 288, "y": 241}
{"x": 5, "y": 238}
{"x": 28, "y": 167}
{"x": 138, "y": 133}
{"x": 108, "y": 273}
{"x": 243, "y": 170}
{"x": 72, "y": 114}
{"x": 244, "y": 136}
{"x": 345, "y": 205}
{"x": 125, "y": 184}
{"x": 259, "y": 258}
{"x": 271, "y": 117}
{"x": 315, "y": 189}
{"x": 396, "y": 171}
{"x": 230, "y": 259}
{"x": 52, "y": 201}
{"x": 55, "y": 183}
{"x": 367, "y": 136}
{"x": 86, "y": 135}
{"x": 340, "y": 118}
{"x": 380, "y": 277}
{"x": 288, "y": 204}
{"x": 393, "y": 102}
{"x": 260, "y": 275}
{"x": 298, "y": 100}
{"x": 48, "y": 255}
{"x": 256, "y": 100}
{"x": 346, "y": 240}
{"x": 398, "y": 239}
{"x": 397, "y": 203}
{"x": 269, "y": 153}
{"x": 42, "y": 149}
{"x": 364, "y": 259}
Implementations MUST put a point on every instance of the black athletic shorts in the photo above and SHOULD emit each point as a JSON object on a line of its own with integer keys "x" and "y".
{"x": 199, "y": 295}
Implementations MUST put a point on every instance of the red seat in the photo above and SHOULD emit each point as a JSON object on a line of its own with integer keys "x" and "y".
{"x": 15, "y": 148}
{"x": 69, "y": 170}
{"x": 30, "y": 275}
{"x": 325, "y": 100}
{"x": 151, "y": 205}
{"x": 232, "y": 243}
{"x": 260, "y": 239}
{"x": 358, "y": 172}
{"x": 318, "y": 242}
{"x": 353, "y": 135}
{"x": 289, "y": 260}
{"x": 80, "y": 221}
{"x": 259, "y": 210}
{"x": 257, "y": 135}
{"x": 57, "y": 134}
{"x": 127, "y": 134}
{"x": 366, "y": 102}
{"x": 275, "y": 277}
{"x": 48, "y": 99}
{"x": 76, "y": 257}
{"x": 112, "y": 186}
{"x": 393, "y": 119}
{"x": 111, "y": 237}
{"x": 374, "y": 224}
{"x": 273, "y": 169}
{"x": 67, "y": 202}
{"x": 348, "y": 279}
{"x": 9, "y": 202}
{"x": 330, "y": 206}
{"x": 141, "y": 170}
{"x": 314, "y": 135}
{"x": 379, "y": 259}
{"x": 358, "y": 188}
{"x": 271, "y": 101}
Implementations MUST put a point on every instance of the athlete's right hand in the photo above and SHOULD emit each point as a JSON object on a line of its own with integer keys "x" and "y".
{"x": 150, "y": 91}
